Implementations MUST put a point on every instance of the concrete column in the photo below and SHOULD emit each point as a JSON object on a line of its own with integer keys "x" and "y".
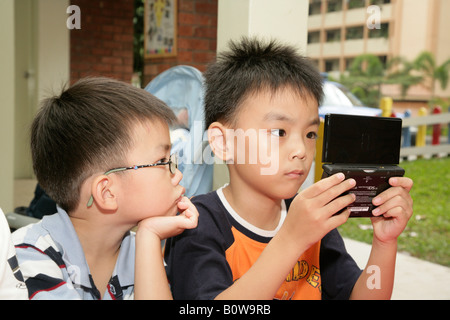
{"x": 34, "y": 63}
{"x": 285, "y": 20}
{"x": 7, "y": 92}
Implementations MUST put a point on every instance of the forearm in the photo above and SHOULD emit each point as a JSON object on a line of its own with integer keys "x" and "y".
{"x": 150, "y": 275}
{"x": 377, "y": 279}
{"x": 264, "y": 278}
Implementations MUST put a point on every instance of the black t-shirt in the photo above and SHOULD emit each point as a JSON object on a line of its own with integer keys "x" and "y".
{"x": 203, "y": 262}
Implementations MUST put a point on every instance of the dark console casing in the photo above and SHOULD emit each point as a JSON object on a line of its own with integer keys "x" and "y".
{"x": 366, "y": 149}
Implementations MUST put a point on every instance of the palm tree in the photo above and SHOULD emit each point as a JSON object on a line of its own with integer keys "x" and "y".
{"x": 425, "y": 63}
{"x": 365, "y": 77}
{"x": 367, "y": 73}
{"x": 401, "y": 71}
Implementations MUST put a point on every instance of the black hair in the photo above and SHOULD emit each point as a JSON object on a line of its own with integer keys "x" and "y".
{"x": 252, "y": 65}
{"x": 86, "y": 129}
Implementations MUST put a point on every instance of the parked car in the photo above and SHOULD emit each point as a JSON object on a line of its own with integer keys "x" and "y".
{"x": 338, "y": 99}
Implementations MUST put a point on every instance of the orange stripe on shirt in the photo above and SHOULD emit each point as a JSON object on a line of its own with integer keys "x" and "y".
{"x": 302, "y": 283}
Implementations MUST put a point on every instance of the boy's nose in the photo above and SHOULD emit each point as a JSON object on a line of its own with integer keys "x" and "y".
{"x": 176, "y": 177}
{"x": 298, "y": 151}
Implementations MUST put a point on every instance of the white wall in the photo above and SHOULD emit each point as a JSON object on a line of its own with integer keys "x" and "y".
{"x": 413, "y": 32}
{"x": 285, "y": 20}
{"x": 35, "y": 40}
{"x": 53, "y": 46}
{"x": 7, "y": 104}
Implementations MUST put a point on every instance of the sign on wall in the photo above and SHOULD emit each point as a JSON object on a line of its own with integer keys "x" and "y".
{"x": 160, "y": 27}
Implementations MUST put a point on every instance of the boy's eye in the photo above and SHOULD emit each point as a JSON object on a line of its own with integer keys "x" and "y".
{"x": 163, "y": 160}
{"x": 312, "y": 135}
{"x": 278, "y": 132}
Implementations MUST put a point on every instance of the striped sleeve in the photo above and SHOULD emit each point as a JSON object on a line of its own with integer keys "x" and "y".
{"x": 12, "y": 284}
{"x": 44, "y": 271}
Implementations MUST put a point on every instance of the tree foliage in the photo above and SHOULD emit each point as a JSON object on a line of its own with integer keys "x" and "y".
{"x": 367, "y": 73}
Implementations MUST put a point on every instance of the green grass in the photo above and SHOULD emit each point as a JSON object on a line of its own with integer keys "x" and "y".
{"x": 428, "y": 231}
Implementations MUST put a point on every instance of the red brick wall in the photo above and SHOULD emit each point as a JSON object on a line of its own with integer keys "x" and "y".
{"x": 197, "y": 38}
{"x": 104, "y": 44}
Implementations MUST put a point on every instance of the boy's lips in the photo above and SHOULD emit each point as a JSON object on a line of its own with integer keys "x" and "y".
{"x": 183, "y": 191}
{"x": 294, "y": 173}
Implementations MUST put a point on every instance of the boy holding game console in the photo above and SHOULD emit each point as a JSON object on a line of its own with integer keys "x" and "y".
{"x": 257, "y": 239}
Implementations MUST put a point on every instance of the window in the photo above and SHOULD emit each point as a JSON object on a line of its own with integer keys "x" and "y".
{"x": 379, "y": 2}
{"x": 334, "y": 5}
{"x": 354, "y": 4}
{"x": 382, "y": 32}
{"x": 354, "y": 33}
{"x": 315, "y": 7}
{"x": 314, "y": 37}
{"x": 333, "y": 35}
{"x": 331, "y": 65}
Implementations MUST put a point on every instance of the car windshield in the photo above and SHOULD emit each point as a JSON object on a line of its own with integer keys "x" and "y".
{"x": 338, "y": 95}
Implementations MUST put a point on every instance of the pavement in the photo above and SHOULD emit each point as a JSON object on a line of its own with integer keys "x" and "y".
{"x": 415, "y": 279}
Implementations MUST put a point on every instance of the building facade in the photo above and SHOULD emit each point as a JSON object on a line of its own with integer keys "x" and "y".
{"x": 340, "y": 30}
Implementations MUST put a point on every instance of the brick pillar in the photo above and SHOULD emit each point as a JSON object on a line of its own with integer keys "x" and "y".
{"x": 104, "y": 44}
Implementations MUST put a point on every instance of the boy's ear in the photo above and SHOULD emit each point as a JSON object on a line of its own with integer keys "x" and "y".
{"x": 103, "y": 193}
{"x": 218, "y": 141}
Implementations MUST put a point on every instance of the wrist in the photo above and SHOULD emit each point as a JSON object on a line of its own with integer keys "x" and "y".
{"x": 145, "y": 234}
{"x": 289, "y": 245}
{"x": 389, "y": 244}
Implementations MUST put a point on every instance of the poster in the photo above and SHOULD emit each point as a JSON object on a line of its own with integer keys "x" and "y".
{"x": 160, "y": 27}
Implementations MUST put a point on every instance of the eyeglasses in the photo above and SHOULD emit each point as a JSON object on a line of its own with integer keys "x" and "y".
{"x": 173, "y": 166}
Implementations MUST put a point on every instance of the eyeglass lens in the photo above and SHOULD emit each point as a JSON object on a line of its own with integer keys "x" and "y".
{"x": 173, "y": 163}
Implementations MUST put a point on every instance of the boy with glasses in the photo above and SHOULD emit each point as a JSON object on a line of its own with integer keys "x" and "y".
{"x": 101, "y": 150}
{"x": 257, "y": 239}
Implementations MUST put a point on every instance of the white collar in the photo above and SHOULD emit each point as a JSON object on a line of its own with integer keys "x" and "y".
{"x": 248, "y": 225}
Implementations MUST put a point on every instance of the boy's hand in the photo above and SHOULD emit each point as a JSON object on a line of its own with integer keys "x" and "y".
{"x": 395, "y": 208}
{"x": 150, "y": 276}
{"x": 311, "y": 212}
{"x": 168, "y": 226}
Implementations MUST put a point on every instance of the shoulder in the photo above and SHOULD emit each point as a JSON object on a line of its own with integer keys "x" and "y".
{"x": 34, "y": 236}
{"x": 211, "y": 211}
{"x": 37, "y": 250}
{"x": 213, "y": 229}
{"x": 209, "y": 201}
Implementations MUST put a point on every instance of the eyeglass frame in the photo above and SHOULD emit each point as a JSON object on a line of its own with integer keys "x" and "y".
{"x": 173, "y": 166}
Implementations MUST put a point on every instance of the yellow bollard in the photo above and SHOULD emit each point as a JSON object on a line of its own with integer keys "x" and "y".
{"x": 386, "y": 106}
{"x": 318, "y": 159}
{"x": 421, "y": 130}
